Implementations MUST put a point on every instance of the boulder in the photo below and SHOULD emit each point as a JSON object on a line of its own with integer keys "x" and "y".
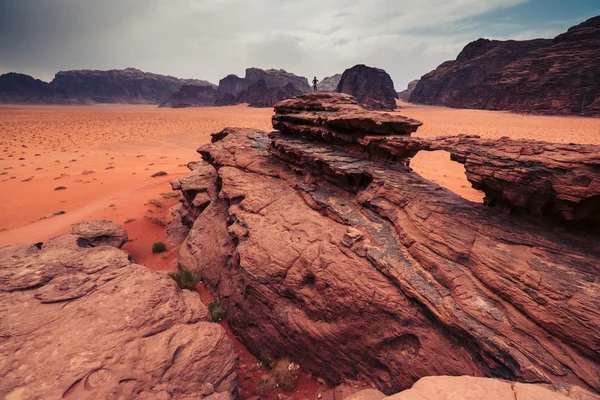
{"x": 372, "y": 87}
{"x": 101, "y": 233}
{"x": 547, "y": 76}
{"x": 86, "y": 323}
{"x": 355, "y": 267}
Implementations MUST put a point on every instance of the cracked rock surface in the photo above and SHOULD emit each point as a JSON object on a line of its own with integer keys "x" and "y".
{"x": 85, "y": 322}
{"x": 358, "y": 268}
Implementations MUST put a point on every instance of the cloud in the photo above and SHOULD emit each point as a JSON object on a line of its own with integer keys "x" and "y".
{"x": 209, "y": 39}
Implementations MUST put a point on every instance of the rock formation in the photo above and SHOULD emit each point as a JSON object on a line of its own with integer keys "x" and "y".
{"x": 234, "y": 85}
{"x": 260, "y": 95}
{"x": 372, "y": 87}
{"x": 560, "y": 76}
{"x": 324, "y": 246}
{"x": 101, "y": 233}
{"x": 129, "y": 85}
{"x": 405, "y": 94}
{"x": 23, "y": 89}
{"x": 330, "y": 83}
{"x": 87, "y": 323}
{"x": 197, "y": 96}
{"x": 466, "y": 387}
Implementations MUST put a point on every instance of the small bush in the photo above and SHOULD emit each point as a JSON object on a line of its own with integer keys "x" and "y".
{"x": 159, "y": 173}
{"x": 186, "y": 279}
{"x": 216, "y": 310}
{"x": 156, "y": 203}
{"x": 266, "y": 385}
{"x": 159, "y": 247}
{"x": 286, "y": 374}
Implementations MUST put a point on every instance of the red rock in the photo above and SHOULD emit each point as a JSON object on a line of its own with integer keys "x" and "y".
{"x": 330, "y": 83}
{"x": 405, "y": 94}
{"x": 87, "y": 323}
{"x": 557, "y": 76}
{"x": 372, "y": 87}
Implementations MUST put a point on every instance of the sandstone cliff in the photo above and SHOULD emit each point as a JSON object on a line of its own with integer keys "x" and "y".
{"x": 325, "y": 247}
{"x": 129, "y": 86}
{"x": 560, "y": 76}
{"x": 372, "y": 87}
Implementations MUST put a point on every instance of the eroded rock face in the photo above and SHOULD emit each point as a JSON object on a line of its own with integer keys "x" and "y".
{"x": 260, "y": 95}
{"x": 87, "y": 323}
{"x": 24, "y": 89}
{"x": 372, "y": 87}
{"x": 101, "y": 233}
{"x": 559, "y": 76}
{"x": 466, "y": 387}
{"x": 356, "y": 267}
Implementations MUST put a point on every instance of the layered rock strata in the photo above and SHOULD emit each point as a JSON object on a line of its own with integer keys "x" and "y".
{"x": 346, "y": 261}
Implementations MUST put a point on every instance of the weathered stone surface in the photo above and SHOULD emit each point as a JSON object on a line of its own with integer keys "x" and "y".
{"x": 330, "y": 83}
{"x": 405, "y": 94}
{"x": 87, "y": 323}
{"x": 356, "y": 267}
{"x": 101, "y": 233}
{"x": 372, "y": 87}
{"x": 24, "y": 89}
{"x": 559, "y": 76}
{"x": 273, "y": 78}
{"x": 469, "y": 388}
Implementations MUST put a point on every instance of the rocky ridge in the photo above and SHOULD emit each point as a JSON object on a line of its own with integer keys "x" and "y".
{"x": 87, "y": 323}
{"x": 330, "y": 83}
{"x": 405, "y": 94}
{"x": 319, "y": 236}
{"x": 558, "y": 76}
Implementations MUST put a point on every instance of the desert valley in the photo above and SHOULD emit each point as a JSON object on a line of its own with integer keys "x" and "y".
{"x": 167, "y": 238}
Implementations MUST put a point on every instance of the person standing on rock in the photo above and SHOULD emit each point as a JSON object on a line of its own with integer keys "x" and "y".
{"x": 315, "y": 81}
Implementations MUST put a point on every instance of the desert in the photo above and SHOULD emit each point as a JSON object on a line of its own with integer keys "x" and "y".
{"x": 277, "y": 235}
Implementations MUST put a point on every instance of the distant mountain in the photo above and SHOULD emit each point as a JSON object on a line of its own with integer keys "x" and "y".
{"x": 372, "y": 87}
{"x": 259, "y": 88}
{"x": 551, "y": 76}
{"x": 405, "y": 94}
{"x": 330, "y": 83}
{"x": 130, "y": 86}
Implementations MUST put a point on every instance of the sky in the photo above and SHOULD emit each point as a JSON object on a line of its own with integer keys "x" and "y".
{"x": 209, "y": 39}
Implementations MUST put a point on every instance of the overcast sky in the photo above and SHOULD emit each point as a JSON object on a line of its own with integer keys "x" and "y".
{"x": 208, "y": 39}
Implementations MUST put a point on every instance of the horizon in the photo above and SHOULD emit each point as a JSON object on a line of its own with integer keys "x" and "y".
{"x": 209, "y": 39}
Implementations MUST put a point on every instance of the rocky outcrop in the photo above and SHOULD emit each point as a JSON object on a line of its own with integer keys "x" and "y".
{"x": 326, "y": 249}
{"x": 372, "y": 87}
{"x": 130, "y": 86}
{"x": 405, "y": 94}
{"x": 233, "y": 85}
{"x": 330, "y": 83}
{"x": 466, "y": 387}
{"x": 101, "y": 233}
{"x": 557, "y": 76}
{"x": 278, "y": 78}
{"x": 87, "y": 323}
{"x": 260, "y": 95}
{"x": 197, "y": 96}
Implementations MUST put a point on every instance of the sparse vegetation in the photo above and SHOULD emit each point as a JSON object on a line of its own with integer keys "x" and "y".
{"x": 159, "y": 173}
{"x": 216, "y": 310}
{"x": 284, "y": 374}
{"x": 128, "y": 220}
{"x": 156, "y": 203}
{"x": 156, "y": 220}
{"x": 169, "y": 195}
{"x": 60, "y": 188}
{"x": 186, "y": 279}
{"x": 159, "y": 247}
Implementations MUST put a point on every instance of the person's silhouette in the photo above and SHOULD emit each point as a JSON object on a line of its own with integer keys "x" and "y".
{"x": 315, "y": 81}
